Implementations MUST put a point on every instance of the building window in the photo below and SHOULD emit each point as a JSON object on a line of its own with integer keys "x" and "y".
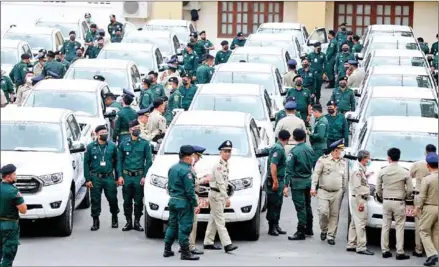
{"x": 245, "y": 17}
{"x": 359, "y": 15}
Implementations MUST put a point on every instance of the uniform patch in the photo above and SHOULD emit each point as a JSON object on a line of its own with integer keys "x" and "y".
{"x": 275, "y": 154}
{"x": 189, "y": 175}
{"x": 19, "y": 194}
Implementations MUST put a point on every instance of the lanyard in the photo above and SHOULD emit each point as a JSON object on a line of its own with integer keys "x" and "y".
{"x": 105, "y": 151}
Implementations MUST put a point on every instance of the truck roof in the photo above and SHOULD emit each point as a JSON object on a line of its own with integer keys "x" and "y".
{"x": 212, "y": 118}
{"x": 231, "y": 89}
{"x": 281, "y": 25}
{"x": 31, "y": 30}
{"x": 252, "y": 50}
{"x": 402, "y": 92}
{"x": 245, "y": 67}
{"x": 167, "y": 22}
{"x": 404, "y": 124}
{"x": 397, "y": 53}
{"x": 77, "y": 85}
{"x": 129, "y": 47}
{"x": 101, "y": 63}
{"x": 270, "y": 37}
{"x": 34, "y": 114}
{"x": 402, "y": 70}
{"x": 149, "y": 34}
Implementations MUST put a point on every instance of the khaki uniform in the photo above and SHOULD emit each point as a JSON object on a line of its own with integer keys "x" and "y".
{"x": 22, "y": 92}
{"x": 393, "y": 186}
{"x": 38, "y": 69}
{"x": 428, "y": 222}
{"x": 144, "y": 132}
{"x": 418, "y": 170}
{"x": 217, "y": 202}
{"x": 165, "y": 80}
{"x": 355, "y": 79}
{"x": 290, "y": 123}
{"x": 329, "y": 175}
{"x": 156, "y": 124}
{"x": 288, "y": 79}
{"x": 360, "y": 193}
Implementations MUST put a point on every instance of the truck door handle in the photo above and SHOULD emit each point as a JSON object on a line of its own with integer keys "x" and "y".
{"x": 74, "y": 164}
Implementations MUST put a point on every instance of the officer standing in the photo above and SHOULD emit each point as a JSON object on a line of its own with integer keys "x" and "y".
{"x": 127, "y": 114}
{"x": 208, "y": 45}
{"x": 341, "y": 59}
{"x": 331, "y": 186}
{"x": 87, "y": 17}
{"x": 175, "y": 100}
{"x": 182, "y": 204}
{"x": 319, "y": 136}
{"x": 423, "y": 45}
{"x": 223, "y": 55}
{"x": 238, "y": 41}
{"x": 146, "y": 96}
{"x": 19, "y": 71}
{"x": 302, "y": 96}
{"x": 190, "y": 61}
{"x": 331, "y": 54}
{"x": 357, "y": 47}
{"x": 175, "y": 63}
{"x": 275, "y": 182}
{"x": 360, "y": 193}
{"x": 199, "y": 49}
{"x": 343, "y": 96}
{"x": 435, "y": 46}
{"x": 115, "y": 29}
{"x": 133, "y": 161}
{"x": 357, "y": 75}
{"x": 111, "y": 102}
{"x": 157, "y": 123}
{"x": 338, "y": 127}
{"x": 8, "y": 87}
{"x": 94, "y": 51}
{"x": 308, "y": 76}
{"x": 70, "y": 46}
{"x": 11, "y": 203}
{"x": 143, "y": 123}
{"x": 341, "y": 36}
{"x": 187, "y": 91}
{"x": 300, "y": 162}
{"x": 99, "y": 166}
{"x": 289, "y": 76}
{"x": 53, "y": 66}
{"x": 205, "y": 71}
{"x": 218, "y": 199}
{"x": 393, "y": 186}
{"x": 78, "y": 55}
{"x": 317, "y": 60}
{"x": 290, "y": 123}
{"x": 283, "y": 113}
{"x": 59, "y": 56}
{"x": 156, "y": 89}
{"x": 24, "y": 90}
{"x": 349, "y": 40}
{"x": 90, "y": 38}
{"x": 428, "y": 203}
{"x": 38, "y": 67}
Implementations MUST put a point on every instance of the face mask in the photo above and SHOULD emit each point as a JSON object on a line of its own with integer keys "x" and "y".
{"x": 226, "y": 48}
{"x": 331, "y": 111}
{"x": 58, "y": 59}
{"x": 305, "y": 65}
{"x": 88, "y": 20}
{"x": 136, "y": 132}
{"x": 100, "y": 44}
{"x": 29, "y": 80}
{"x": 103, "y": 137}
{"x": 299, "y": 83}
{"x": 368, "y": 163}
{"x": 319, "y": 50}
{"x": 72, "y": 38}
{"x": 185, "y": 83}
{"x": 345, "y": 50}
{"x": 343, "y": 29}
{"x": 342, "y": 85}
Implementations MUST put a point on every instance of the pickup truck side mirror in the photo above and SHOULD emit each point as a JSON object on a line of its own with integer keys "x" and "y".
{"x": 175, "y": 111}
{"x": 357, "y": 93}
{"x": 350, "y": 116}
{"x": 137, "y": 87}
{"x": 179, "y": 51}
{"x": 273, "y": 118}
{"x": 262, "y": 153}
{"x": 359, "y": 56}
{"x": 349, "y": 153}
{"x": 77, "y": 147}
{"x": 110, "y": 113}
{"x": 155, "y": 146}
{"x": 161, "y": 67}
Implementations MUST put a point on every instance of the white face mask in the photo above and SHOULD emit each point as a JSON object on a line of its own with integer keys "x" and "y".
{"x": 29, "y": 80}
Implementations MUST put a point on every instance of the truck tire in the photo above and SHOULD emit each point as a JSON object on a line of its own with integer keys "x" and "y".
{"x": 254, "y": 225}
{"x": 153, "y": 227}
{"x": 64, "y": 223}
{"x": 85, "y": 204}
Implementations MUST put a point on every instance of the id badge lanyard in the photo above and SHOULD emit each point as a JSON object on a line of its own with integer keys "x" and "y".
{"x": 103, "y": 163}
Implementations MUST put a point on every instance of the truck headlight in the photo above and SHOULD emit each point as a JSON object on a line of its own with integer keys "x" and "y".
{"x": 159, "y": 181}
{"x": 243, "y": 183}
{"x": 51, "y": 179}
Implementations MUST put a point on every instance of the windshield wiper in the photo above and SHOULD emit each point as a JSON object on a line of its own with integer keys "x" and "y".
{"x": 25, "y": 149}
{"x": 411, "y": 161}
{"x": 378, "y": 159}
{"x": 170, "y": 153}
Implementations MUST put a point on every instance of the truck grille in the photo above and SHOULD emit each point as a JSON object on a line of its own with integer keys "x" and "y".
{"x": 28, "y": 184}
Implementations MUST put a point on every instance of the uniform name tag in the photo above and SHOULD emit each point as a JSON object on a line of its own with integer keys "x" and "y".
{"x": 103, "y": 164}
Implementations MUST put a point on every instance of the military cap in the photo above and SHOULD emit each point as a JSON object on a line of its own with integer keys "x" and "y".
{"x": 290, "y": 105}
{"x": 190, "y": 46}
{"x": 331, "y": 103}
{"x": 431, "y": 158}
{"x": 173, "y": 80}
{"x": 240, "y": 34}
{"x": 134, "y": 123}
{"x": 290, "y": 98}
{"x": 352, "y": 62}
{"x": 344, "y": 78}
{"x": 128, "y": 93}
{"x": 193, "y": 34}
{"x": 25, "y": 56}
{"x": 172, "y": 60}
{"x": 299, "y": 134}
{"x": 199, "y": 150}
{"x": 99, "y": 78}
{"x": 143, "y": 112}
{"x": 8, "y": 169}
{"x": 224, "y": 43}
{"x": 87, "y": 15}
{"x": 157, "y": 102}
{"x": 303, "y": 56}
{"x": 184, "y": 74}
{"x": 297, "y": 76}
{"x": 186, "y": 150}
{"x": 101, "y": 32}
{"x": 343, "y": 24}
{"x": 147, "y": 81}
{"x": 164, "y": 98}
{"x": 100, "y": 128}
{"x": 100, "y": 39}
{"x": 202, "y": 32}
{"x": 72, "y": 32}
{"x": 292, "y": 62}
{"x": 94, "y": 26}
{"x": 58, "y": 52}
{"x": 41, "y": 56}
{"x": 226, "y": 145}
{"x": 336, "y": 144}
{"x": 42, "y": 50}
{"x": 284, "y": 135}
{"x": 50, "y": 54}
{"x": 53, "y": 74}
{"x": 317, "y": 44}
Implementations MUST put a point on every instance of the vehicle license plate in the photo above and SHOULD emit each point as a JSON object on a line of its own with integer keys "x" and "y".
{"x": 203, "y": 203}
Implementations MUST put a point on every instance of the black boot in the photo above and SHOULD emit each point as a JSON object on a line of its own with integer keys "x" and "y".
{"x": 114, "y": 221}
{"x": 137, "y": 225}
{"x": 95, "y": 225}
{"x": 279, "y": 230}
{"x": 168, "y": 251}
{"x": 299, "y": 235}
{"x": 128, "y": 226}
{"x": 272, "y": 230}
{"x": 186, "y": 254}
{"x": 431, "y": 261}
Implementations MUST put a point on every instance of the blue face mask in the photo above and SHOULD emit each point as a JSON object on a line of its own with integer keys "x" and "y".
{"x": 368, "y": 163}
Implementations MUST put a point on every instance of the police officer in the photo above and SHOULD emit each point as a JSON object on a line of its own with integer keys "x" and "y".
{"x": 223, "y": 55}
{"x": 175, "y": 63}
{"x": 78, "y": 55}
{"x": 302, "y": 96}
{"x": 59, "y": 56}
{"x": 171, "y": 72}
{"x": 428, "y": 204}
{"x": 357, "y": 75}
{"x": 330, "y": 180}
{"x": 205, "y": 71}
{"x": 70, "y": 46}
{"x": 182, "y": 204}
{"x": 87, "y": 17}
{"x": 187, "y": 90}
{"x": 175, "y": 100}
{"x": 308, "y": 76}
{"x": 143, "y": 123}
{"x": 300, "y": 162}
{"x": 127, "y": 114}
{"x": 393, "y": 186}
{"x": 360, "y": 193}
{"x": 343, "y": 96}
{"x": 341, "y": 36}
{"x": 418, "y": 171}
{"x": 133, "y": 161}
{"x": 208, "y": 45}
{"x": 357, "y": 47}
{"x": 156, "y": 89}
{"x": 319, "y": 135}
{"x": 424, "y": 46}
{"x": 292, "y": 72}
{"x": 341, "y": 59}
{"x": 91, "y": 35}
{"x": 283, "y": 113}
{"x": 110, "y": 101}
{"x": 94, "y": 51}
{"x": 290, "y": 123}
{"x": 275, "y": 182}
{"x": 11, "y": 203}
{"x": 190, "y": 61}
{"x": 19, "y": 71}
{"x": 146, "y": 96}
{"x": 218, "y": 199}
{"x": 157, "y": 123}
{"x": 115, "y": 29}
{"x": 349, "y": 39}
{"x": 99, "y": 166}
{"x": 338, "y": 127}
{"x": 53, "y": 66}
{"x": 317, "y": 60}
{"x": 331, "y": 54}
{"x": 38, "y": 66}
{"x": 199, "y": 49}
{"x": 7, "y": 86}
{"x": 24, "y": 90}
{"x": 238, "y": 41}
{"x": 435, "y": 47}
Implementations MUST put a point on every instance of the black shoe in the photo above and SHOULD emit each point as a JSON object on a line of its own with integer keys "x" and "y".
{"x": 416, "y": 254}
{"x": 331, "y": 241}
{"x": 431, "y": 261}
{"x": 323, "y": 236}
{"x": 297, "y": 236}
{"x": 212, "y": 247}
{"x": 230, "y": 248}
{"x": 365, "y": 252}
{"x": 387, "y": 254}
{"x": 272, "y": 230}
{"x": 96, "y": 224}
{"x": 351, "y": 249}
{"x": 402, "y": 257}
{"x": 279, "y": 230}
{"x": 114, "y": 221}
{"x": 195, "y": 251}
{"x": 168, "y": 251}
{"x": 128, "y": 226}
{"x": 137, "y": 226}
{"x": 309, "y": 232}
{"x": 187, "y": 255}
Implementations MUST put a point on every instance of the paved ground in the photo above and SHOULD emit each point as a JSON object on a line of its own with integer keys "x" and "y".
{"x": 113, "y": 247}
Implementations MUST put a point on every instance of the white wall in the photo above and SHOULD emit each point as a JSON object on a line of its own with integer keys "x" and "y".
{"x": 425, "y": 20}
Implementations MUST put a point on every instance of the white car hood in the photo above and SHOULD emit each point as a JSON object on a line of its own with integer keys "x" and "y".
{"x": 376, "y": 167}
{"x": 34, "y": 163}
{"x": 93, "y": 121}
{"x": 240, "y": 167}
{"x": 6, "y": 68}
{"x": 117, "y": 91}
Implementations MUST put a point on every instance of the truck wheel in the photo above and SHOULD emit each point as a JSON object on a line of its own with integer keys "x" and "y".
{"x": 253, "y": 226}
{"x": 85, "y": 204}
{"x": 153, "y": 227}
{"x": 64, "y": 224}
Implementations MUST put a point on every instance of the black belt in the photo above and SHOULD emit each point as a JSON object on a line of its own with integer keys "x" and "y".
{"x": 4, "y": 219}
{"x": 132, "y": 173}
{"x": 415, "y": 193}
{"x": 332, "y": 191}
{"x": 393, "y": 199}
{"x": 215, "y": 189}
{"x": 102, "y": 175}
{"x": 363, "y": 197}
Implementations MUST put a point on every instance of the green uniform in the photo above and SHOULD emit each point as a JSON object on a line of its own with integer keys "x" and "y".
{"x": 341, "y": 38}
{"x": 317, "y": 61}
{"x": 237, "y": 43}
{"x": 65, "y": 63}
{"x": 339, "y": 63}
{"x": 199, "y": 50}
{"x": 435, "y": 62}
{"x": 282, "y": 114}
{"x": 338, "y": 129}
{"x": 222, "y": 57}
{"x": 146, "y": 98}
{"x": 69, "y": 49}
{"x": 181, "y": 204}
{"x": 10, "y": 198}
{"x": 175, "y": 101}
{"x": 7, "y": 86}
{"x": 351, "y": 44}
{"x": 54, "y": 66}
{"x": 94, "y": 51}
{"x": 122, "y": 124}
{"x": 309, "y": 79}
{"x": 180, "y": 70}
{"x": 157, "y": 91}
{"x": 116, "y": 39}
{"x": 188, "y": 95}
{"x": 357, "y": 48}
{"x": 206, "y": 44}
{"x": 99, "y": 166}
{"x": 300, "y": 162}
{"x": 134, "y": 158}
{"x": 116, "y": 104}
{"x": 18, "y": 73}
{"x": 319, "y": 137}
{"x": 90, "y": 37}
{"x": 113, "y": 28}
{"x": 345, "y": 99}
{"x": 204, "y": 74}
{"x": 275, "y": 198}
{"x": 303, "y": 100}
{"x": 190, "y": 63}
{"x": 424, "y": 48}
{"x": 434, "y": 48}
{"x": 331, "y": 54}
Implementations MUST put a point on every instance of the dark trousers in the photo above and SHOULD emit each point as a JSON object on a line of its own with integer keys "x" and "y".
{"x": 302, "y": 203}
{"x": 181, "y": 219}
{"x": 132, "y": 190}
